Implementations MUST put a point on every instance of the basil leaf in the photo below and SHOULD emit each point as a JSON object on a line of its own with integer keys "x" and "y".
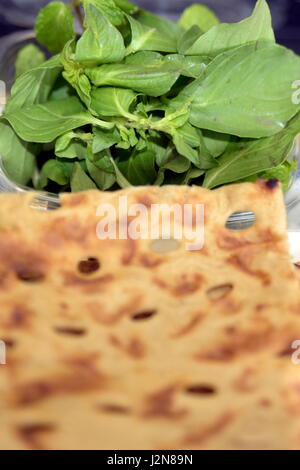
{"x": 191, "y": 174}
{"x": 29, "y": 57}
{"x": 103, "y": 179}
{"x": 35, "y": 85}
{"x": 256, "y": 101}
{"x": 224, "y": 36}
{"x": 139, "y": 168}
{"x": 153, "y": 80}
{"x": 105, "y": 139}
{"x": 109, "y": 8}
{"x": 56, "y": 171}
{"x": 108, "y": 101}
{"x": 249, "y": 157}
{"x": 101, "y": 42}
{"x": 61, "y": 90}
{"x": 120, "y": 178}
{"x": 199, "y": 15}
{"x": 55, "y": 26}
{"x": 174, "y": 162}
{"x": 188, "y": 38}
{"x": 148, "y": 39}
{"x": 127, "y": 6}
{"x": 80, "y": 181}
{"x": 44, "y": 123}
{"x": 190, "y": 66}
{"x": 19, "y": 157}
{"x": 183, "y": 148}
{"x": 74, "y": 74}
{"x": 73, "y": 145}
{"x": 215, "y": 142}
{"x": 163, "y": 25}
{"x": 145, "y": 57}
{"x": 190, "y": 134}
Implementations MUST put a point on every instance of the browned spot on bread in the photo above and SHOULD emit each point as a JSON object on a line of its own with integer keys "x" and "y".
{"x": 144, "y": 200}
{"x": 186, "y": 284}
{"x": 90, "y": 284}
{"x": 190, "y": 326}
{"x": 81, "y": 375}
{"x": 198, "y": 437}
{"x": 22, "y": 260}
{"x": 241, "y": 262}
{"x": 150, "y": 261}
{"x": 241, "y": 342}
{"x": 160, "y": 404}
{"x": 227, "y": 241}
{"x": 135, "y": 348}
{"x": 19, "y": 317}
{"x": 245, "y": 382}
{"x": 74, "y": 200}
{"x": 32, "y": 434}
{"x": 228, "y": 305}
{"x": 66, "y": 229}
{"x": 105, "y": 318}
{"x": 129, "y": 252}
{"x": 265, "y": 402}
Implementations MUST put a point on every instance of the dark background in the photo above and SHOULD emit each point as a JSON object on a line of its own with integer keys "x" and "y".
{"x": 16, "y": 15}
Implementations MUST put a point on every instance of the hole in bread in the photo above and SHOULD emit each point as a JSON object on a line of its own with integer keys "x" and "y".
{"x": 70, "y": 330}
{"x": 88, "y": 265}
{"x": 28, "y": 275}
{"x": 240, "y": 220}
{"x": 114, "y": 408}
{"x": 164, "y": 245}
{"x": 201, "y": 389}
{"x": 218, "y": 292}
{"x": 143, "y": 315}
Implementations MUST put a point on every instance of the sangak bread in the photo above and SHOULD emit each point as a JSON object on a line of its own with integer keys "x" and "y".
{"x": 148, "y": 351}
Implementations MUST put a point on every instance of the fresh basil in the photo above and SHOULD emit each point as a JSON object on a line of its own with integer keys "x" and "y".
{"x": 29, "y": 57}
{"x": 34, "y": 86}
{"x": 80, "y": 181}
{"x": 137, "y": 99}
{"x": 101, "y": 42}
{"x": 256, "y": 101}
{"x": 109, "y": 101}
{"x": 55, "y": 26}
{"x": 151, "y": 80}
{"x": 223, "y": 36}
{"x": 249, "y": 157}
{"x": 45, "y": 122}
{"x": 199, "y": 15}
{"x": 19, "y": 157}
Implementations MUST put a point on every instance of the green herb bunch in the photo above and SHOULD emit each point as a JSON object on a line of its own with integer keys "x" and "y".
{"x": 136, "y": 99}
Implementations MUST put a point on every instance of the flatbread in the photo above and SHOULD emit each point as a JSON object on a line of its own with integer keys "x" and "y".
{"x": 176, "y": 350}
